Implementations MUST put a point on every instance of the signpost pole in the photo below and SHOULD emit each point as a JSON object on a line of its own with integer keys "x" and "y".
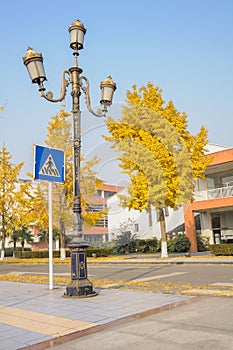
{"x": 50, "y": 235}
{"x": 49, "y": 166}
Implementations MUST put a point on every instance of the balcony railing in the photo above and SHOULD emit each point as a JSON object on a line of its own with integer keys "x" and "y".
{"x": 221, "y": 192}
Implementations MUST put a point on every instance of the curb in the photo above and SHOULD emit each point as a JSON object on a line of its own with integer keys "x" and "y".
{"x": 93, "y": 330}
{"x": 161, "y": 262}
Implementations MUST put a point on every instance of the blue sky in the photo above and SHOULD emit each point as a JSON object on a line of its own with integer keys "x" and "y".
{"x": 185, "y": 47}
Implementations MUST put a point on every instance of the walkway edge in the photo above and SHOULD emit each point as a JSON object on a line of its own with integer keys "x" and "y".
{"x": 162, "y": 262}
{"x": 95, "y": 329}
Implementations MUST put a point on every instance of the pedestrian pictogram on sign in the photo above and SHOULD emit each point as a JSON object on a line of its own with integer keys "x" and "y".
{"x": 49, "y": 164}
{"x": 49, "y": 167}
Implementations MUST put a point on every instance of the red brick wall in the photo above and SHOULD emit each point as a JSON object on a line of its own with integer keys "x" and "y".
{"x": 190, "y": 229}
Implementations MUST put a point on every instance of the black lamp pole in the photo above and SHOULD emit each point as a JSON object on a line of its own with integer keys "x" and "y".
{"x": 79, "y": 285}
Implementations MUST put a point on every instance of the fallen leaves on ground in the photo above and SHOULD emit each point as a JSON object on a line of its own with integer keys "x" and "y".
{"x": 149, "y": 286}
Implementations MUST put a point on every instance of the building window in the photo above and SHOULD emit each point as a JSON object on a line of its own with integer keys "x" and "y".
{"x": 95, "y": 208}
{"x": 97, "y": 194}
{"x": 136, "y": 227}
{"x": 108, "y": 194}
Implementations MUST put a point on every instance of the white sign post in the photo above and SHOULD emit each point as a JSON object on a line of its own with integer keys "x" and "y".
{"x": 50, "y": 235}
{"x": 49, "y": 166}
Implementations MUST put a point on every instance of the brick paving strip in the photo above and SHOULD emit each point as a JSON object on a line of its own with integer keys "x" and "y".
{"x": 54, "y": 326}
{"x": 101, "y": 327}
{"x": 32, "y": 317}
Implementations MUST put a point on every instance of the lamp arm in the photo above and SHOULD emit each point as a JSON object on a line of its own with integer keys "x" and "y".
{"x": 64, "y": 84}
{"x": 85, "y": 89}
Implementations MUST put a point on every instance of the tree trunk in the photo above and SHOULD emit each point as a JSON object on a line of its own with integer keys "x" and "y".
{"x": 63, "y": 241}
{"x": 164, "y": 253}
{"x": 3, "y": 248}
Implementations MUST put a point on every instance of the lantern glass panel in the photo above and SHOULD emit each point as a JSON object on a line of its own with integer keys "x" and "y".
{"x": 76, "y": 38}
{"x": 107, "y": 94}
{"x": 36, "y": 70}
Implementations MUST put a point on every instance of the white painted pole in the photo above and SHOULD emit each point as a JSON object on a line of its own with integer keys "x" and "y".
{"x": 50, "y": 236}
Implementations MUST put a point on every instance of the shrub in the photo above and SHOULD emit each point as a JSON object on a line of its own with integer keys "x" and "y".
{"x": 8, "y": 252}
{"x": 221, "y": 249}
{"x": 40, "y": 254}
{"x": 138, "y": 245}
{"x": 36, "y": 254}
{"x": 141, "y": 246}
{"x": 181, "y": 244}
{"x": 98, "y": 252}
{"x": 202, "y": 243}
{"x": 171, "y": 245}
{"x": 125, "y": 243}
{"x": 149, "y": 245}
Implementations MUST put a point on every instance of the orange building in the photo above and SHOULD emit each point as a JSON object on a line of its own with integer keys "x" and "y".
{"x": 94, "y": 235}
{"x": 213, "y": 201}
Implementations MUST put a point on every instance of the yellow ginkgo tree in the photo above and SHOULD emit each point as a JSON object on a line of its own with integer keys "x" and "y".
{"x": 160, "y": 156}
{"x": 8, "y": 187}
{"x": 59, "y": 135}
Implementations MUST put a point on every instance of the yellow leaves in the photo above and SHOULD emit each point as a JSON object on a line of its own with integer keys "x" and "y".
{"x": 59, "y": 132}
{"x": 39, "y": 213}
{"x": 9, "y": 200}
{"x": 149, "y": 96}
{"x": 154, "y": 287}
{"x": 157, "y": 150}
{"x": 34, "y": 261}
{"x": 91, "y": 218}
{"x": 60, "y": 136}
{"x": 138, "y": 191}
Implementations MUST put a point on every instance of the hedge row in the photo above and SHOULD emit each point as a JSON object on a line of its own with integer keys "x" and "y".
{"x": 36, "y": 254}
{"x": 179, "y": 244}
{"x": 99, "y": 252}
{"x": 40, "y": 254}
{"x": 221, "y": 249}
{"x": 9, "y": 251}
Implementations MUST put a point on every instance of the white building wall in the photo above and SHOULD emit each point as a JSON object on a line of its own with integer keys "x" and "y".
{"x": 206, "y": 226}
{"x": 147, "y": 228}
{"x": 212, "y": 148}
{"x": 7, "y": 242}
{"x": 118, "y": 215}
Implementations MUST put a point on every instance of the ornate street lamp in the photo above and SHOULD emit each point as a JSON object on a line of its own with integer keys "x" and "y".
{"x": 79, "y": 285}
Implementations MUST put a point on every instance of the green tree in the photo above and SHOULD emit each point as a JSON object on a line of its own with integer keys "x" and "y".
{"x": 23, "y": 235}
{"x": 8, "y": 187}
{"x": 160, "y": 156}
{"x": 44, "y": 235}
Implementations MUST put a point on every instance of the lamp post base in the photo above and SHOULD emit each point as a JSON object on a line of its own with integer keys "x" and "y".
{"x": 80, "y": 288}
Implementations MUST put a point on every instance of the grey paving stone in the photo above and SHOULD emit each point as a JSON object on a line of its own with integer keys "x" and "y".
{"x": 108, "y": 306}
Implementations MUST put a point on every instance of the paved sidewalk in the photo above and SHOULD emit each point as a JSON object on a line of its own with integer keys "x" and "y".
{"x": 31, "y": 314}
{"x": 204, "y": 324}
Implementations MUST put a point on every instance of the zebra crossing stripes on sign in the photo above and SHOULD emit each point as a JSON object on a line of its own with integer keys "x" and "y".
{"x": 49, "y": 167}
{"x": 49, "y": 164}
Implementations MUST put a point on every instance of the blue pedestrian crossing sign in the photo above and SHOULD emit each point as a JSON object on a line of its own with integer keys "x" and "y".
{"x": 49, "y": 164}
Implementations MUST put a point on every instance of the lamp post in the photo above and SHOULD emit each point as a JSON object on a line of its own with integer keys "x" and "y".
{"x": 80, "y": 285}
